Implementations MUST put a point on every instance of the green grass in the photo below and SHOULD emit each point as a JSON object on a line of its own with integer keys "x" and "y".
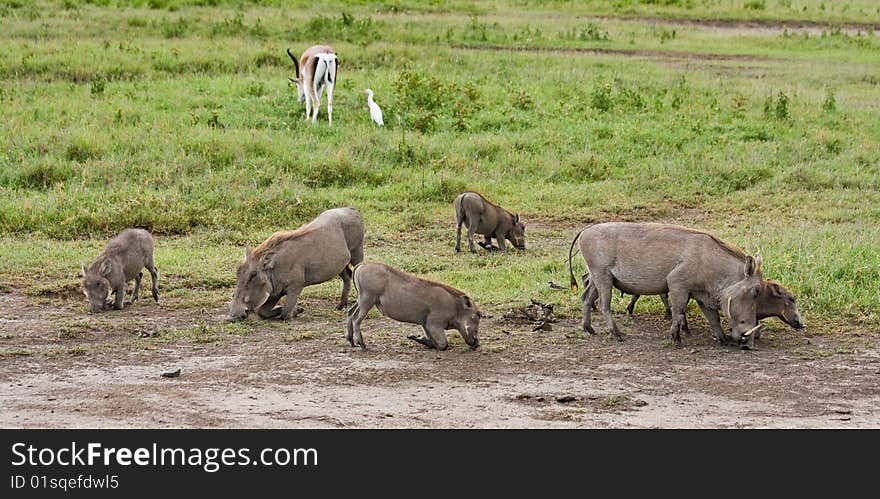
{"x": 177, "y": 116}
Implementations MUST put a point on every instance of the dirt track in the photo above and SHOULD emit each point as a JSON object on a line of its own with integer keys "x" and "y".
{"x": 60, "y": 367}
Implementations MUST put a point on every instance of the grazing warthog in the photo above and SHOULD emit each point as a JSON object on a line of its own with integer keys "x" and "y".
{"x": 775, "y": 300}
{"x": 290, "y": 260}
{"x": 481, "y": 216}
{"x": 407, "y": 298}
{"x": 123, "y": 259}
{"x": 652, "y": 259}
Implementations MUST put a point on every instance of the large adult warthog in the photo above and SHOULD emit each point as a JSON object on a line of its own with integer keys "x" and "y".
{"x": 123, "y": 259}
{"x": 290, "y": 260}
{"x": 652, "y": 259}
{"x": 407, "y": 298}
{"x": 481, "y": 216}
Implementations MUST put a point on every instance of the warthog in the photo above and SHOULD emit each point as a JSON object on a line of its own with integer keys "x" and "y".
{"x": 123, "y": 259}
{"x": 481, "y": 216}
{"x": 652, "y": 259}
{"x": 290, "y": 260}
{"x": 774, "y": 300}
{"x": 407, "y": 298}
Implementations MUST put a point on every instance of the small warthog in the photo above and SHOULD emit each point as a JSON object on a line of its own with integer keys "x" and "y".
{"x": 652, "y": 259}
{"x": 775, "y": 300}
{"x": 123, "y": 259}
{"x": 481, "y": 216}
{"x": 289, "y": 261}
{"x": 407, "y": 298}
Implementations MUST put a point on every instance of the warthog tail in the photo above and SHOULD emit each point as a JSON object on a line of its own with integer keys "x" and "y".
{"x": 353, "y": 280}
{"x": 574, "y": 284}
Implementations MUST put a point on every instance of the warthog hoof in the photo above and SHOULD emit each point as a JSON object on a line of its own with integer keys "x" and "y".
{"x": 275, "y": 312}
{"x": 424, "y": 340}
{"x": 589, "y": 329}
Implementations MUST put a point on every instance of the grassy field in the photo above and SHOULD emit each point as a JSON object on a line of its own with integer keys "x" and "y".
{"x": 178, "y": 117}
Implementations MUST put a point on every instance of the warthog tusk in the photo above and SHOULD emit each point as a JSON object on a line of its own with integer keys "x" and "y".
{"x": 754, "y": 329}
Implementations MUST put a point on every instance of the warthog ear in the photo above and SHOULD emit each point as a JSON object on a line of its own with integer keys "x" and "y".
{"x": 247, "y": 253}
{"x": 83, "y": 267}
{"x": 467, "y": 302}
{"x": 268, "y": 261}
{"x": 775, "y": 290}
{"x": 106, "y": 268}
{"x": 516, "y": 218}
{"x": 758, "y": 260}
{"x": 750, "y": 267}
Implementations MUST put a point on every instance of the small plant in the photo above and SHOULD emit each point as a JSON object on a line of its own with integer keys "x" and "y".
{"x": 175, "y": 29}
{"x": 666, "y": 35}
{"x": 755, "y": 5}
{"x": 256, "y": 88}
{"x": 739, "y": 105}
{"x": 214, "y": 120}
{"x": 781, "y": 110}
{"x": 523, "y": 101}
{"x": 98, "y": 84}
{"x": 601, "y": 98}
{"x": 830, "y": 103}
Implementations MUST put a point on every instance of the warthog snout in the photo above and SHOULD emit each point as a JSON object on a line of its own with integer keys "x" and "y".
{"x": 237, "y": 313}
{"x": 475, "y": 344}
{"x": 795, "y": 322}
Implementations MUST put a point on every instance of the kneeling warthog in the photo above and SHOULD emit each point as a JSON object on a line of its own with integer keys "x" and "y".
{"x": 123, "y": 259}
{"x": 652, "y": 259}
{"x": 407, "y": 298}
{"x": 774, "y": 300}
{"x": 481, "y": 216}
{"x": 290, "y": 260}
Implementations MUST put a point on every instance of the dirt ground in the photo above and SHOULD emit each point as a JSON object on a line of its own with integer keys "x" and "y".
{"x": 61, "y": 367}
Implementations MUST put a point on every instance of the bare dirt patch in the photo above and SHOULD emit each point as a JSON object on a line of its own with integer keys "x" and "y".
{"x": 303, "y": 373}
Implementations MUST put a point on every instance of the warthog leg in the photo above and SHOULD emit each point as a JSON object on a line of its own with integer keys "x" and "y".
{"x": 632, "y": 305}
{"x": 588, "y": 302}
{"x": 472, "y": 229}
{"x": 137, "y": 286}
{"x": 678, "y": 300}
{"x": 424, "y": 340}
{"x": 355, "y": 316}
{"x": 349, "y": 327}
{"x": 119, "y": 300}
{"x": 154, "y": 275}
{"x": 268, "y": 310}
{"x": 346, "y": 288}
{"x": 602, "y": 281}
{"x": 714, "y": 322}
{"x": 289, "y": 310}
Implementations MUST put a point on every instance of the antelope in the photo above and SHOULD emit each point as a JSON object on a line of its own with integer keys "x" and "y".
{"x": 318, "y": 71}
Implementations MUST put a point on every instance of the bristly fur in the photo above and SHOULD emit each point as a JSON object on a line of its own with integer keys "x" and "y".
{"x": 280, "y": 237}
{"x": 404, "y": 275}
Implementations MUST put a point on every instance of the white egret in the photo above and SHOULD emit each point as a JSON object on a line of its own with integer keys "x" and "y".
{"x": 375, "y": 110}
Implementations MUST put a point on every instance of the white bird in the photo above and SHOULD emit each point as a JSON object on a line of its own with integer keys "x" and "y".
{"x": 375, "y": 110}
